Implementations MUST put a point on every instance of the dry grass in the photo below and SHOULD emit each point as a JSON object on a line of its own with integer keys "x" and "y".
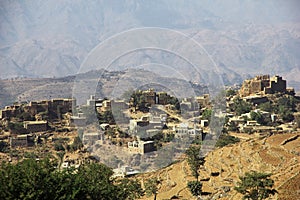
{"x": 265, "y": 155}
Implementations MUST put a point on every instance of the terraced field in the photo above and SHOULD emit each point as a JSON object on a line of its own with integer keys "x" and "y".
{"x": 223, "y": 167}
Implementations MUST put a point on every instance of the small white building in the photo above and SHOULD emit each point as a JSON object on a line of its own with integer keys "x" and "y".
{"x": 124, "y": 171}
{"x": 184, "y": 131}
{"x": 141, "y": 147}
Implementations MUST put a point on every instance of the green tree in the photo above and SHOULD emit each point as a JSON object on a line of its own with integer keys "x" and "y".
{"x": 257, "y": 116}
{"x": 267, "y": 106}
{"x": 195, "y": 187}
{"x": 95, "y": 182}
{"x": 25, "y": 116}
{"x": 289, "y": 102}
{"x": 59, "y": 145}
{"x": 225, "y": 139}
{"x": 231, "y": 126}
{"x": 230, "y": 93}
{"x": 285, "y": 113}
{"x": 139, "y": 102}
{"x": 106, "y": 117}
{"x": 30, "y": 179}
{"x": 16, "y": 127}
{"x": 297, "y": 119}
{"x": 240, "y": 106}
{"x": 175, "y": 102}
{"x": 255, "y": 185}
{"x": 194, "y": 160}
{"x": 286, "y": 105}
{"x": 151, "y": 187}
{"x": 207, "y": 114}
{"x": 130, "y": 189}
{"x": 26, "y": 180}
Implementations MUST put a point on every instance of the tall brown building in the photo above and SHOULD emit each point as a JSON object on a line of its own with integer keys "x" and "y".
{"x": 263, "y": 84}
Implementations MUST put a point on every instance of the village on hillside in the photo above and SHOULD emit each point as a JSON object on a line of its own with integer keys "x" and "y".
{"x": 147, "y": 129}
{"x": 145, "y": 122}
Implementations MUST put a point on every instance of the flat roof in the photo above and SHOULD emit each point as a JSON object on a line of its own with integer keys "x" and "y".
{"x": 35, "y": 122}
{"x": 95, "y": 133}
{"x": 147, "y": 142}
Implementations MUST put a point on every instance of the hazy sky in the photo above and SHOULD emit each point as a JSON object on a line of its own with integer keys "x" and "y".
{"x": 22, "y": 19}
{"x": 52, "y": 37}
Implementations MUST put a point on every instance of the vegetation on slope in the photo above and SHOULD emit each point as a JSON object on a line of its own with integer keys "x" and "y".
{"x": 31, "y": 179}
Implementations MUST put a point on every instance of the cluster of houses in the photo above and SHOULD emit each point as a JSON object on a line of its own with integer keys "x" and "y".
{"x": 257, "y": 91}
{"x": 243, "y": 124}
{"x": 60, "y": 111}
{"x": 52, "y": 110}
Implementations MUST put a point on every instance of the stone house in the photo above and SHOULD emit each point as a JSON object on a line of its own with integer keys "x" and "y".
{"x": 263, "y": 84}
{"x": 10, "y": 111}
{"x": 22, "y": 141}
{"x": 150, "y": 96}
{"x": 35, "y": 126}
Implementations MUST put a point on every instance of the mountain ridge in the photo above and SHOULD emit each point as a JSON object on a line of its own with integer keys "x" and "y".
{"x": 51, "y": 39}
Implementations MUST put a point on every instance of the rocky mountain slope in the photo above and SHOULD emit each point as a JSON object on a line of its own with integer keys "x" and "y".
{"x": 97, "y": 82}
{"x": 276, "y": 154}
{"x": 52, "y": 38}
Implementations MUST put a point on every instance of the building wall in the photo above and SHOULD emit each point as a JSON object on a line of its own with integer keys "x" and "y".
{"x": 150, "y": 96}
{"x": 10, "y": 111}
{"x": 20, "y": 141}
{"x": 277, "y": 84}
{"x": 33, "y": 127}
{"x": 141, "y": 147}
{"x": 163, "y": 98}
{"x": 264, "y": 85}
{"x": 148, "y": 147}
{"x": 255, "y": 86}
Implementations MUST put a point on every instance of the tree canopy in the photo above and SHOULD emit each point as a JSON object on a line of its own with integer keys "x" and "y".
{"x": 194, "y": 159}
{"x": 240, "y": 106}
{"x": 225, "y": 139}
{"x": 151, "y": 187}
{"x": 255, "y": 185}
{"x": 31, "y": 179}
{"x": 195, "y": 187}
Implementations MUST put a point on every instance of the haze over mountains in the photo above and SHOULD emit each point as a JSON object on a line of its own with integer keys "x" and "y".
{"x": 52, "y": 38}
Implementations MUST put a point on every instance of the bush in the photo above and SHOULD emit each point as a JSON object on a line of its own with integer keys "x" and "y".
{"x": 3, "y": 146}
{"x": 230, "y": 93}
{"x": 256, "y": 185}
{"x": 195, "y": 187}
{"x": 58, "y": 145}
{"x": 225, "y": 140}
{"x": 240, "y": 106}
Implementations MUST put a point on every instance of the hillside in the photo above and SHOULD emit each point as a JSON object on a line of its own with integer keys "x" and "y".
{"x": 108, "y": 84}
{"x": 275, "y": 154}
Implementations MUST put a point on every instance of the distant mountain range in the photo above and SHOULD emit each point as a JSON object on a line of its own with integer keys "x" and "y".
{"x": 46, "y": 38}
